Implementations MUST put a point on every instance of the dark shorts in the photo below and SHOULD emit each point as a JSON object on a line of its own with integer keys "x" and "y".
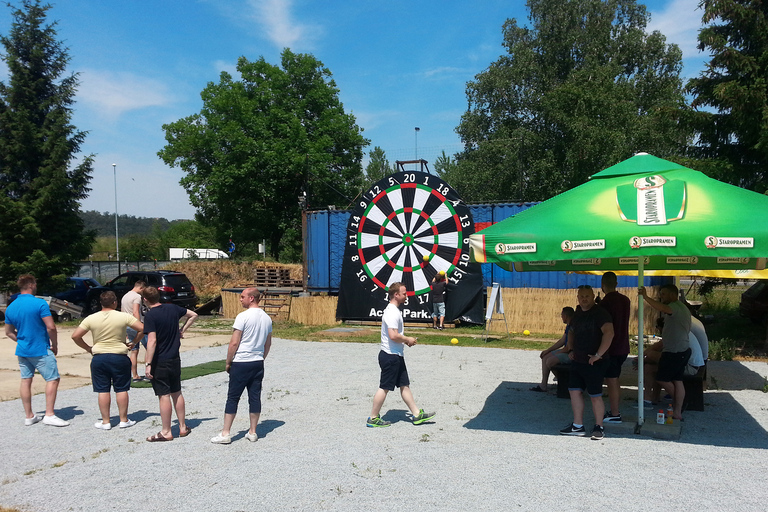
{"x": 242, "y": 376}
{"x": 111, "y": 371}
{"x": 166, "y": 377}
{"x": 672, "y": 365}
{"x": 614, "y": 366}
{"x": 589, "y": 376}
{"x": 393, "y": 371}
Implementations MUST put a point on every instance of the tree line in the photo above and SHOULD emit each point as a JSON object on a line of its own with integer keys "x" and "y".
{"x": 579, "y": 87}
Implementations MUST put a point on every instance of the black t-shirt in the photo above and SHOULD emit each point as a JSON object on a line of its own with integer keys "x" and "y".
{"x": 587, "y": 331}
{"x": 163, "y": 320}
{"x": 438, "y": 291}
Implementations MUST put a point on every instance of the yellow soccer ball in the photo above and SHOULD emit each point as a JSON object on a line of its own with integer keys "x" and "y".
{"x": 425, "y": 257}
{"x": 527, "y": 332}
{"x": 454, "y": 341}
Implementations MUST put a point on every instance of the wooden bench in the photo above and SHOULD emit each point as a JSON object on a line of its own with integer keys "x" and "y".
{"x": 563, "y": 374}
{"x": 694, "y": 390}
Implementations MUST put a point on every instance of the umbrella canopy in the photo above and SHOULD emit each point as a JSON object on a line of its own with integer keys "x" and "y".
{"x": 644, "y": 210}
{"x": 642, "y": 213}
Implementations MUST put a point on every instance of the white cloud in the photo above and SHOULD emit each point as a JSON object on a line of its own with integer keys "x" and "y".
{"x": 443, "y": 71}
{"x": 113, "y": 93}
{"x": 282, "y": 29}
{"x": 680, "y": 22}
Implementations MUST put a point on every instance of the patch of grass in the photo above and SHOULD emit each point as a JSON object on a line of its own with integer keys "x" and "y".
{"x": 424, "y": 438}
{"x": 722, "y": 350}
{"x": 59, "y": 464}
{"x": 190, "y": 372}
{"x": 32, "y": 471}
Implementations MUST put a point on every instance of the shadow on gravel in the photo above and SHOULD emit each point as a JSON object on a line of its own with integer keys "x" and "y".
{"x": 512, "y": 408}
{"x": 69, "y": 413}
{"x": 267, "y": 426}
{"x": 397, "y": 415}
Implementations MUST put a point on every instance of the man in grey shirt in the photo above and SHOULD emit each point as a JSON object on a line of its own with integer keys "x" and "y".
{"x": 676, "y": 351}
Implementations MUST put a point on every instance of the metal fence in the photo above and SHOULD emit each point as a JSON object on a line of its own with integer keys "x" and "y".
{"x": 104, "y": 271}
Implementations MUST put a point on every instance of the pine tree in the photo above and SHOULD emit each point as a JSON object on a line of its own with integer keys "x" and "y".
{"x": 41, "y": 183}
{"x": 735, "y": 84}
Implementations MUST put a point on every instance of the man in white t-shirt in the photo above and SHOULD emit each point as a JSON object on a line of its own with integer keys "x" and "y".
{"x": 392, "y": 361}
{"x": 131, "y": 304}
{"x": 248, "y": 348}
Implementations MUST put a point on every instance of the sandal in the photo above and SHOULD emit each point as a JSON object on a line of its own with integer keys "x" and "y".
{"x": 185, "y": 433}
{"x": 538, "y": 389}
{"x": 159, "y": 437}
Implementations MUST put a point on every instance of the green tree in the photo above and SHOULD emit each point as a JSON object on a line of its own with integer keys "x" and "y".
{"x": 444, "y": 165}
{"x": 378, "y": 167}
{"x": 735, "y": 84}
{"x": 41, "y": 184}
{"x": 579, "y": 89}
{"x": 261, "y": 142}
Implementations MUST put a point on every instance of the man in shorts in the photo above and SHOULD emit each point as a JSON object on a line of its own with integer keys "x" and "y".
{"x": 392, "y": 361}
{"x": 163, "y": 363}
{"x": 675, "y": 351}
{"x": 110, "y": 366}
{"x": 618, "y": 306}
{"x": 29, "y": 323}
{"x": 557, "y": 353}
{"x": 437, "y": 295}
{"x": 589, "y": 338}
{"x": 131, "y": 304}
{"x": 248, "y": 348}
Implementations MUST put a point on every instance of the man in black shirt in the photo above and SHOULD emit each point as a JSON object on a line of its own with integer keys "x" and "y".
{"x": 437, "y": 294}
{"x": 163, "y": 364}
{"x": 589, "y": 338}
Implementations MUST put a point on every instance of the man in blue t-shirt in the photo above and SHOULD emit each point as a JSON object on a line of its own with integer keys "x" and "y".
{"x": 163, "y": 363}
{"x": 29, "y": 323}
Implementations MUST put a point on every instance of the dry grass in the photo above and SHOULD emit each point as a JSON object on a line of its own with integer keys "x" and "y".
{"x": 209, "y": 277}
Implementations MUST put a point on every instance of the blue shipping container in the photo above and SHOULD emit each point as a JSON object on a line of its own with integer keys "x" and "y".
{"x": 327, "y": 231}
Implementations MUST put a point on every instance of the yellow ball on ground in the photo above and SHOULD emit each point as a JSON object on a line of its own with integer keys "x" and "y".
{"x": 426, "y": 257}
{"x": 527, "y": 332}
{"x": 454, "y": 341}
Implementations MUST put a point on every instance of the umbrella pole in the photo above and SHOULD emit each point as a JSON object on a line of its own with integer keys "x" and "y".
{"x": 640, "y": 346}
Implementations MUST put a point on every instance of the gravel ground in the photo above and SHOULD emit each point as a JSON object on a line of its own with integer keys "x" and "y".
{"x": 492, "y": 446}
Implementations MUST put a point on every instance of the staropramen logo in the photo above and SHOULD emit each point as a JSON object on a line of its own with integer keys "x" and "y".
{"x": 651, "y": 201}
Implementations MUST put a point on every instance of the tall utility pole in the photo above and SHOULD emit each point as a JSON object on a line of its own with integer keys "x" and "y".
{"x": 117, "y": 236}
{"x": 416, "y": 140}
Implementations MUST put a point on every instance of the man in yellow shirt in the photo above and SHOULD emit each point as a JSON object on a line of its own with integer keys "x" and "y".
{"x": 110, "y": 366}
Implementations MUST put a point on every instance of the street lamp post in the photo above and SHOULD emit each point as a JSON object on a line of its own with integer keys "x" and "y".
{"x": 416, "y": 140}
{"x": 117, "y": 236}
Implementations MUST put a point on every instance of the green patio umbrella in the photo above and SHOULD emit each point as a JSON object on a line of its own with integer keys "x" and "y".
{"x": 644, "y": 213}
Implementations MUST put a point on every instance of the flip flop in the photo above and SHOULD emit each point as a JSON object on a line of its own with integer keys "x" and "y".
{"x": 159, "y": 437}
{"x": 537, "y": 389}
{"x": 185, "y": 433}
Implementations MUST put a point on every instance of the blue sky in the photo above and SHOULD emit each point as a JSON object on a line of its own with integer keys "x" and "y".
{"x": 398, "y": 65}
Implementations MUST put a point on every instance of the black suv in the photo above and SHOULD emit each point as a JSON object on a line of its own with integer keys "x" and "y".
{"x": 173, "y": 286}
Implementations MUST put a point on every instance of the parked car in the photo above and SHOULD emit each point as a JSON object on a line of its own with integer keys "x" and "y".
{"x": 76, "y": 291}
{"x": 754, "y": 302}
{"x": 174, "y": 287}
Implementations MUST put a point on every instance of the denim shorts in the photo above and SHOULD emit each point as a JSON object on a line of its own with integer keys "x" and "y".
{"x": 438, "y": 309}
{"x": 46, "y": 365}
{"x": 130, "y": 334}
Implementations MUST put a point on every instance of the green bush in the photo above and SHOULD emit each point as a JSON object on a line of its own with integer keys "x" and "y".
{"x": 722, "y": 350}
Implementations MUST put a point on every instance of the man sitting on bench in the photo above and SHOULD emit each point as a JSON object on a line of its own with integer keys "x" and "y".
{"x": 557, "y": 353}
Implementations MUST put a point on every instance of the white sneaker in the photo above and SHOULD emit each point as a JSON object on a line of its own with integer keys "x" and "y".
{"x": 220, "y": 439}
{"x": 31, "y": 421}
{"x": 55, "y": 421}
{"x": 126, "y": 424}
{"x": 252, "y": 437}
{"x": 103, "y": 426}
